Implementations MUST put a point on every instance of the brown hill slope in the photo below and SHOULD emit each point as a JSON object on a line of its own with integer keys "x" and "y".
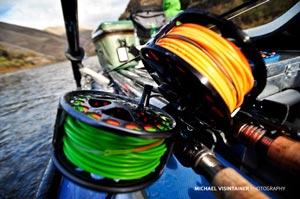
{"x": 14, "y": 57}
{"x": 22, "y": 47}
{"x": 32, "y": 39}
{"x": 85, "y": 37}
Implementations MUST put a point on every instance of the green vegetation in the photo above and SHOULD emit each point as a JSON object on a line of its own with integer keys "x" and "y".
{"x": 11, "y": 60}
{"x": 14, "y": 59}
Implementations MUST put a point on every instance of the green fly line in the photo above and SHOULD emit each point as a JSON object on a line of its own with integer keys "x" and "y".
{"x": 110, "y": 155}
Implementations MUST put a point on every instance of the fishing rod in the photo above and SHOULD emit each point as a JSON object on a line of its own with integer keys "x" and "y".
{"x": 74, "y": 53}
{"x": 241, "y": 6}
{"x": 122, "y": 145}
{"x": 247, "y": 10}
{"x": 191, "y": 153}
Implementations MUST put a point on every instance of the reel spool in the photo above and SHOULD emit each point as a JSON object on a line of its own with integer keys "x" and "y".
{"x": 193, "y": 67}
{"x": 111, "y": 143}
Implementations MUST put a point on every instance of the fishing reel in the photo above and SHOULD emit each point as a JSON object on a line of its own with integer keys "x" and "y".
{"x": 206, "y": 67}
{"x": 111, "y": 143}
{"x": 210, "y": 73}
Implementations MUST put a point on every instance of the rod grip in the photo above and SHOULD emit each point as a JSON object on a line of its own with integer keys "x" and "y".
{"x": 231, "y": 185}
{"x": 286, "y": 153}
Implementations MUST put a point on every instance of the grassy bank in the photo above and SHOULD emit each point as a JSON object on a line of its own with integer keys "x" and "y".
{"x": 12, "y": 60}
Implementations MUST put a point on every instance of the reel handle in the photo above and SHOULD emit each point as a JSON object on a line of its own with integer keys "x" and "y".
{"x": 285, "y": 153}
{"x": 228, "y": 177}
{"x": 203, "y": 161}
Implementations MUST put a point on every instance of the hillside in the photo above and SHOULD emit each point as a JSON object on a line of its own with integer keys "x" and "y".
{"x": 35, "y": 40}
{"x": 22, "y": 47}
{"x": 26, "y": 47}
{"x": 85, "y": 37}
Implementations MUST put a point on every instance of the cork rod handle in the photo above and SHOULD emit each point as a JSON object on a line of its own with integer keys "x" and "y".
{"x": 285, "y": 152}
{"x": 231, "y": 185}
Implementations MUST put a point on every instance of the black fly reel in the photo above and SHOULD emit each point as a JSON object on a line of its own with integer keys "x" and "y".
{"x": 111, "y": 143}
{"x": 188, "y": 90}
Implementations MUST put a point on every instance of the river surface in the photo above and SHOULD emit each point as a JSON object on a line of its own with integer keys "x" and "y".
{"x": 28, "y": 105}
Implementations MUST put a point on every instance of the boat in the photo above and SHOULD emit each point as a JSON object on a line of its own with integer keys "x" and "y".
{"x": 153, "y": 94}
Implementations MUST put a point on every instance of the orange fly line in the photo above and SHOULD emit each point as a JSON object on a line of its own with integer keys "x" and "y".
{"x": 214, "y": 57}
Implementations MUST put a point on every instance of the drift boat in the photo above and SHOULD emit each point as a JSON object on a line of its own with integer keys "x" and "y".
{"x": 178, "y": 118}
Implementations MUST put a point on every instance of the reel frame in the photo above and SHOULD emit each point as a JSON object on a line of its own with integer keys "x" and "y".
{"x": 186, "y": 88}
{"x": 83, "y": 178}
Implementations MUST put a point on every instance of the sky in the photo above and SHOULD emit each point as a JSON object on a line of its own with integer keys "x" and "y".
{"x": 40, "y": 14}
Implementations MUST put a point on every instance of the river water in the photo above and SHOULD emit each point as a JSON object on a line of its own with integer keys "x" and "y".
{"x": 28, "y": 105}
